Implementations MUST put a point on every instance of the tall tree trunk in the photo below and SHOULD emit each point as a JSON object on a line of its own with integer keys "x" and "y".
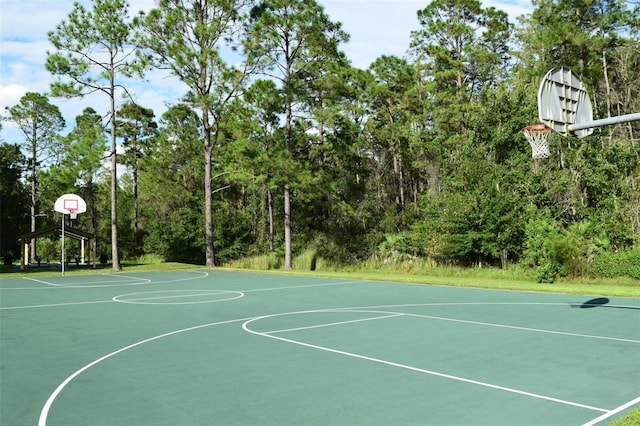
{"x": 115, "y": 256}
{"x": 208, "y": 208}
{"x": 34, "y": 190}
{"x": 136, "y": 232}
{"x": 288, "y": 262}
{"x": 271, "y": 225}
{"x": 608, "y": 94}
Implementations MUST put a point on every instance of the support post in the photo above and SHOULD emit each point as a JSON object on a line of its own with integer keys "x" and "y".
{"x": 604, "y": 122}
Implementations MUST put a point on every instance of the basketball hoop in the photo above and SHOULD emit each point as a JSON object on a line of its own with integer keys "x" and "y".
{"x": 538, "y": 136}
{"x": 72, "y": 205}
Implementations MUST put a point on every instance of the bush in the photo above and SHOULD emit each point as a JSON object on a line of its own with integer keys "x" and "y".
{"x": 150, "y": 259}
{"x": 546, "y": 273}
{"x": 263, "y": 262}
{"x": 624, "y": 264}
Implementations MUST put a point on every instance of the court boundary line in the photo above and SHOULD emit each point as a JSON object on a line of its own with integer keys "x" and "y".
{"x": 535, "y": 330}
{"x": 333, "y": 324}
{"x": 53, "y": 305}
{"x": 106, "y": 284}
{"x": 300, "y": 286}
{"x": 198, "y": 293}
{"x": 39, "y": 281}
{"x": 408, "y": 367}
{"x": 488, "y": 324}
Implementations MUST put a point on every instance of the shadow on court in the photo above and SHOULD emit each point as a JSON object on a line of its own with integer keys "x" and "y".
{"x": 601, "y": 302}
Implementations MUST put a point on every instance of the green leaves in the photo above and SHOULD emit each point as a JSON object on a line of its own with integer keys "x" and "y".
{"x": 92, "y": 47}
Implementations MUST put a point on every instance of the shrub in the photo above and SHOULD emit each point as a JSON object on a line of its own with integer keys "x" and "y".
{"x": 150, "y": 259}
{"x": 546, "y": 273}
{"x": 611, "y": 265}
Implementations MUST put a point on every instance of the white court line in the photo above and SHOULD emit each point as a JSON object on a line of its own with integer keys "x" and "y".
{"x": 44, "y": 413}
{"x": 514, "y": 327}
{"x": 300, "y": 286}
{"x": 92, "y": 284}
{"x": 107, "y": 284}
{"x": 40, "y": 281}
{"x": 53, "y": 305}
{"x": 333, "y": 323}
{"x": 419, "y": 370}
{"x": 173, "y": 296}
{"x": 198, "y": 293}
{"x": 613, "y": 412}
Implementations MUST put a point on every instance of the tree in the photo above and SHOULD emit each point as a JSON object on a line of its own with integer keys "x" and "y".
{"x": 465, "y": 46}
{"x": 294, "y": 38}
{"x": 390, "y": 121}
{"x": 137, "y": 127}
{"x": 40, "y": 122}
{"x": 573, "y": 33}
{"x": 93, "y": 52}
{"x": 171, "y": 186}
{"x": 186, "y": 38}
{"x": 81, "y": 162}
{"x": 14, "y": 198}
{"x": 263, "y": 103}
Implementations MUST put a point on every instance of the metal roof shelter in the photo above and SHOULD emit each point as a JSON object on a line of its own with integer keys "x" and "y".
{"x": 87, "y": 242}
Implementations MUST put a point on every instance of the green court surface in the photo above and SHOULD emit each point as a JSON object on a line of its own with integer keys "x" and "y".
{"x": 212, "y": 347}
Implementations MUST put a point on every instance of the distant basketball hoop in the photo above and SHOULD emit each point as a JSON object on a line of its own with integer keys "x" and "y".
{"x": 72, "y": 205}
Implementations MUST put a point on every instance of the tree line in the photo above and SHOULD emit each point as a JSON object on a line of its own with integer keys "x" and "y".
{"x": 289, "y": 148}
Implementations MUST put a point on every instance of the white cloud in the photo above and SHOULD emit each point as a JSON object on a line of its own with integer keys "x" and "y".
{"x": 10, "y": 95}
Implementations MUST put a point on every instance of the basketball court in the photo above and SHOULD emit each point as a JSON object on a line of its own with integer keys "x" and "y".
{"x": 216, "y": 347}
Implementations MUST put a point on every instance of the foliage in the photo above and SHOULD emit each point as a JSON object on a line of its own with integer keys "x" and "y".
{"x": 14, "y": 200}
{"x": 187, "y": 38}
{"x": 40, "y": 122}
{"x": 626, "y": 263}
{"x": 93, "y": 54}
{"x": 416, "y": 165}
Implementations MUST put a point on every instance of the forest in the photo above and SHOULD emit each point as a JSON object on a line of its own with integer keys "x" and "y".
{"x": 288, "y": 149}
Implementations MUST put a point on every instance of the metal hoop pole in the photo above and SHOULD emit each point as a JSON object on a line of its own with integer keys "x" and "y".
{"x": 62, "y": 244}
{"x": 604, "y": 122}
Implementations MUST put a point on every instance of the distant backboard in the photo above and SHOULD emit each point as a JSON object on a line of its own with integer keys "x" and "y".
{"x": 70, "y": 204}
{"x": 563, "y": 101}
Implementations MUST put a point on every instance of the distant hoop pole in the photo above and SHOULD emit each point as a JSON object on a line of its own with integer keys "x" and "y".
{"x": 604, "y": 122}
{"x": 70, "y": 204}
{"x": 73, "y": 213}
{"x": 62, "y": 246}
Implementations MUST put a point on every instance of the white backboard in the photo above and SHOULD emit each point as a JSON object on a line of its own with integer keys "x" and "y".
{"x": 70, "y": 203}
{"x": 563, "y": 101}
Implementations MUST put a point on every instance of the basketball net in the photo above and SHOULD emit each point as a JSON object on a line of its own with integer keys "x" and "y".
{"x": 538, "y": 136}
{"x": 73, "y": 214}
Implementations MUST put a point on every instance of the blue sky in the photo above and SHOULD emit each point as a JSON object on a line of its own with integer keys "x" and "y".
{"x": 377, "y": 27}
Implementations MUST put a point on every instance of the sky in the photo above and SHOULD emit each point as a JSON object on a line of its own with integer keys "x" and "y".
{"x": 376, "y": 28}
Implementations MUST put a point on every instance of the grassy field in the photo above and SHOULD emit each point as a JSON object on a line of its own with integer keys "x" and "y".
{"x": 514, "y": 279}
{"x": 631, "y": 419}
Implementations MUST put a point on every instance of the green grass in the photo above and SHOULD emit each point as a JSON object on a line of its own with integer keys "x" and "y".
{"x": 492, "y": 278}
{"x": 425, "y": 272}
{"x": 631, "y": 419}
